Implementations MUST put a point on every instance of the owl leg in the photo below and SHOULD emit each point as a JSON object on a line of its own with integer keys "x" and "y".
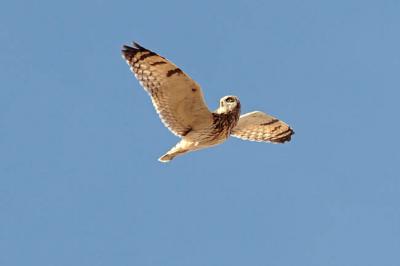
{"x": 179, "y": 149}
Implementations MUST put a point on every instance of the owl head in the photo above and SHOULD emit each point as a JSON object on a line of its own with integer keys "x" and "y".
{"x": 228, "y": 104}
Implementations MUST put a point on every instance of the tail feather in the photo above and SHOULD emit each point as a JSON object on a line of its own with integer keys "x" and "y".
{"x": 172, "y": 153}
{"x": 166, "y": 158}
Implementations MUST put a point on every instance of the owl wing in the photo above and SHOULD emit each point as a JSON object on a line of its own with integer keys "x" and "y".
{"x": 258, "y": 126}
{"x": 176, "y": 97}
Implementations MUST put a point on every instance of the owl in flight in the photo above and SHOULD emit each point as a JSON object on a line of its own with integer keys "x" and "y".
{"x": 179, "y": 101}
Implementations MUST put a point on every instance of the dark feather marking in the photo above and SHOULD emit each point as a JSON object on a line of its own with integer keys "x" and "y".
{"x": 282, "y": 140}
{"x": 174, "y": 71}
{"x": 269, "y": 123}
{"x": 129, "y": 52}
{"x": 224, "y": 122}
{"x": 158, "y": 63}
{"x": 276, "y": 128}
{"x": 144, "y": 56}
{"x": 139, "y": 47}
{"x": 283, "y": 133}
{"x": 186, "y": 132}
{"x": 283, "y": 136}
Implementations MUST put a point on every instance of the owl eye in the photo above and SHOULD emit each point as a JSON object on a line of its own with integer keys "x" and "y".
{"x": 229, "y": 100}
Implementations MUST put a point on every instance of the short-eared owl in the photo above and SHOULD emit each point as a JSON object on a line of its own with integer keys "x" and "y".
{"x": 180, "y": 104}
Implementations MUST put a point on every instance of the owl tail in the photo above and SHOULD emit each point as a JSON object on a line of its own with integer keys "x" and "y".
{"x": 166, "y": 158}
{"x": 172, "y": 153}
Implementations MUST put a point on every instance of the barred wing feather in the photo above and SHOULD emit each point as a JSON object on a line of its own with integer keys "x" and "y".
{"x": 258, "y": 126}
{"x": 176, "y": 97}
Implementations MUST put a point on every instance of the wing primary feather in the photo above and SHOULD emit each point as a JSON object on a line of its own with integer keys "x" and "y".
{"x": 259, "y": 126}
{"x": 133, "y": 50}
{"x": 177, "y": 98}
{"x": 129, "y": 52}
{"x": 138, "y": 46}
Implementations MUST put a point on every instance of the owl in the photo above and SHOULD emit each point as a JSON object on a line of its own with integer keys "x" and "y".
{"x": 179, "y": 102}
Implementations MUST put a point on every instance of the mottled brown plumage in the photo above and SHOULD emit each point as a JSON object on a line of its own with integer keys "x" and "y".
{"x": 180, "y": 104}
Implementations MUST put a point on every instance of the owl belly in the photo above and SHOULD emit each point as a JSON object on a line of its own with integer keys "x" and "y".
{"x": 211, "y": 135}
{"x": 208, "y": 137}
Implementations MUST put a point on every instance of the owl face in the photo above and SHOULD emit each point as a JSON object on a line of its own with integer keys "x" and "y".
{"x": 229, "y": 103}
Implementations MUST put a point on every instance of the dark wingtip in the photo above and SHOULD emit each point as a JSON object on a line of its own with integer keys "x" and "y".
{"x": 138, "y": 46}
{"x": 286, "y": 137}
{"x": 130, "y": 51}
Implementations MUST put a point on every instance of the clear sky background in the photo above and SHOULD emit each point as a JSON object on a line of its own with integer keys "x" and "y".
{"x": 80, "y": 183}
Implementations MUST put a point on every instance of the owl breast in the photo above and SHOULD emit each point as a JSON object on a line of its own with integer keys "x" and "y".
{"x": 223, "y": 123}
{"x": 221, "y": 128}
{"x": 217, "y": 132}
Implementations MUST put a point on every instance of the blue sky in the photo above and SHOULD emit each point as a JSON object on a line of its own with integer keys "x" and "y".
{"x": 80, "y": 183}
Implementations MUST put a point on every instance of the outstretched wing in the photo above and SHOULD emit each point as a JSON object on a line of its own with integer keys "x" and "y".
{"x": 176, "y": 97}
{"x": 258, "y": 126}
